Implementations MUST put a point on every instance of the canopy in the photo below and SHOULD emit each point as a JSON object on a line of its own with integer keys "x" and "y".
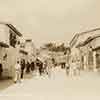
{"x": 2, "y": 44}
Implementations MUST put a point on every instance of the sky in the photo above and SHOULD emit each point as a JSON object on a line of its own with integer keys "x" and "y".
{"x": 51, "y": 20}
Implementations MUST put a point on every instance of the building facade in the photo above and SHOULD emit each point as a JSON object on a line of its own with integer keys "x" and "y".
{"x": 83, "y": 47}
{"x": 31, "y": 49}
{"x": 91, "y": 53}
{"x": 9, "y": 48}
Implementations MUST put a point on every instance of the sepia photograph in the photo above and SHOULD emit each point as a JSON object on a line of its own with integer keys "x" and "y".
{"x": 49, "y": 50}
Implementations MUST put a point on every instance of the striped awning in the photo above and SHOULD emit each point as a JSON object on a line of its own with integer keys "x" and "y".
{"x": 24, "y": 52}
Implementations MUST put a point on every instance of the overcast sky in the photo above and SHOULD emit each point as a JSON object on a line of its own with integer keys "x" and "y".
{"x": 51, "y": 20}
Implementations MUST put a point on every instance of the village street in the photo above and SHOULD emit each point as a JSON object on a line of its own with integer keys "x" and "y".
{"x": 58, "y": 87}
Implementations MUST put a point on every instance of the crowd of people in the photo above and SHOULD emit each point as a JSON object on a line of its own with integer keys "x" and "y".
{"x": 44, "y": 67}
{"x": 22, "y": 67}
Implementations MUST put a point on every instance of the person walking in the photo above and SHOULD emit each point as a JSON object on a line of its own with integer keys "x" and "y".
{"x": 40, "y": 67}
{"x": 28, "y": 67}
{"x": 74, "y": 67}
{"x": 22, "y": 68}
{"x": 78, "y": 66}
{"x": 1, "y": 70}
{"x": 32, "y": 66}
{"x": 17, "y": 77}
{"x": 49, "y": 67}
{"x": 67, "y": 69}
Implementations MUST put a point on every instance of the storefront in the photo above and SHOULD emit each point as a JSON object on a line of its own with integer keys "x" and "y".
{"x": 90, "y": 53}
{"x": 97, "y": 57}
{"x": 3, "y": 59}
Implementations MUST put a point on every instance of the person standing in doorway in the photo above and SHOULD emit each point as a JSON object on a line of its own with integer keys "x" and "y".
{"x": 17, "y": 72}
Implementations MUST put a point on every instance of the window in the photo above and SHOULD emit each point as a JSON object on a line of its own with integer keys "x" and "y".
{"x": 22, "y": 45}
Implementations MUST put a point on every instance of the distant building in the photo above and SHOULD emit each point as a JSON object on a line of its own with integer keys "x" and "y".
{"x": 31, "y": 49}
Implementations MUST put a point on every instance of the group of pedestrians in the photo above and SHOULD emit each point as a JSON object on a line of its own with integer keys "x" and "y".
{"x": 19, "y": 71}
{"x": 22, "y": 67}
{"x": 73, "y": 66}
{"x": 44, "y": 67}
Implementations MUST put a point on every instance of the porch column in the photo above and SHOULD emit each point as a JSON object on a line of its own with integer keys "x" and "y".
{"x": 94, "y": 61}
{"x": 85, "y": 62}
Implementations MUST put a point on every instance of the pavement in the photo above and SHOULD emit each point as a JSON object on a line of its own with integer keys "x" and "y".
{"x": 86, "y": 86}
{"x": 6, "y": 82}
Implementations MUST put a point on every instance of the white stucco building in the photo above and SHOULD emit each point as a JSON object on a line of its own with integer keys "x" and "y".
{"x": 9, "y": 47}
{"x": 84, "y": 46}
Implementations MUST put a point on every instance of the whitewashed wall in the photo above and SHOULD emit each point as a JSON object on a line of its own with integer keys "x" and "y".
{"x": 4, "y": 34}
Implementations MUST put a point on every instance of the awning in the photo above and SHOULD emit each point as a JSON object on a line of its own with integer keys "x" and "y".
{"x": 97, "y": 48}
{"x": 89, "y": 39}
{"x": 28, "y": 40}
{"x": 79, "y": 45}
{"x": 24, "y": 52}
{"x": 14, "y": 29}
{"x": 2, "y": 44}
